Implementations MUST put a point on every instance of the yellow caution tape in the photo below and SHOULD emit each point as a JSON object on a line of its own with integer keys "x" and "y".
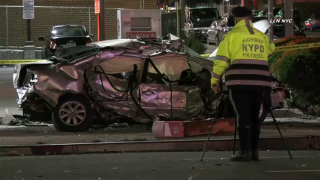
{"x": 205, "y": 55}
{"x": 297, "y": 47}
{"x": 287, "y": 48}
{"x": 20, "y": 61}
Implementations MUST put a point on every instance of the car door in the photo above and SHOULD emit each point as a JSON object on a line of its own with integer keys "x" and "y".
{"x": 161, "y": 98}
{"x": 112, "y": 84}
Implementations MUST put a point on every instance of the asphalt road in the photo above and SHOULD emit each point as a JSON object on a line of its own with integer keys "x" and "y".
{"x": 159, "y": 166}
{"x": 313, "y": 33}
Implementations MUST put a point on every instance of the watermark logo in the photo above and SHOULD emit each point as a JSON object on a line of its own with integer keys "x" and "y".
{"x": 281, "y": 21}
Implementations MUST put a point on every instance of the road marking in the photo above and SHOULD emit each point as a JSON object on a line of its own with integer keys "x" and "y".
{"x": 291, "y": 171}
{"x": 274, "y": 157}
{"x": 6, "y": 82}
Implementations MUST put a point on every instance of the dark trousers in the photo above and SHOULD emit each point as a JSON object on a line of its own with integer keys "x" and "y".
{"x": 247, "y": 104}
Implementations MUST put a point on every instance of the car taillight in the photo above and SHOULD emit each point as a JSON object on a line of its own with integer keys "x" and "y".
{"x": 53, "y": 45}
{"x": 89, "y": 41}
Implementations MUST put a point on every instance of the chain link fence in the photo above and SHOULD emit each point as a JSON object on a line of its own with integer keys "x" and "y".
{"x": 13, "y": 31}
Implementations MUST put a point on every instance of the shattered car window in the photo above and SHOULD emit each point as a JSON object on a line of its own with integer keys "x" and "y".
{"x": 120, "y": 64}
{"x": 171, "y": 66}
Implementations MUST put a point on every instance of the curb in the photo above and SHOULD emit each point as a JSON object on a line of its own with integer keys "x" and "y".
{"x": 294, "y": 143}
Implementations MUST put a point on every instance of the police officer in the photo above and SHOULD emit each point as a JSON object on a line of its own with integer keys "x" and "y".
{"x": 243, "y": 55}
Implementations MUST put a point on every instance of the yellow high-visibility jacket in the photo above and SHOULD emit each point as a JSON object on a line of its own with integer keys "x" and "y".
{"x": 243, "y": 53}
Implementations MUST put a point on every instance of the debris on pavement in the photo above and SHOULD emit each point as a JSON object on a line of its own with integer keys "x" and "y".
{"x": 18, "y": 120}
{"x": 7, "y": 118}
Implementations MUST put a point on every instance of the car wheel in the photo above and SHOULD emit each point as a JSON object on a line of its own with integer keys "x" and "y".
{"x": 217, "y": 40}
{"x": 72, "y": 114}
{"x": 263, "y": 112}
{"x": 208, "y": 41}
{"x": 186, "y": 33}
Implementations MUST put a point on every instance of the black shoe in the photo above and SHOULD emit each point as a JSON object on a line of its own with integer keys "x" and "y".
{"x": 242, "y": 157}
{"x": 255, "y": 155}
{"x": 245, "y": 145}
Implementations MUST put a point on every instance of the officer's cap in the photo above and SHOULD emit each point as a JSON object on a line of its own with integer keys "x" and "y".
{"x": 241, "y": 11}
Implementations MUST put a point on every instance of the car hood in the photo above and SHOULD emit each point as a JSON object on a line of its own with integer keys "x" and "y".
{"x": 261, "y": 25}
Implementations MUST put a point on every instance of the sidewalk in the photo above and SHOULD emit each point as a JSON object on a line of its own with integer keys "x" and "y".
{"x": 48, "y": 135}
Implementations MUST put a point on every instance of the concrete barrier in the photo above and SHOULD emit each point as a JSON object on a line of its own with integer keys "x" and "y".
{"x": 18, "y": 53}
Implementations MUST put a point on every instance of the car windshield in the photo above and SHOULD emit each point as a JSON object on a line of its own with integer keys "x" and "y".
{"x": 69, "y": 31}
{"x": 206, "y": 13}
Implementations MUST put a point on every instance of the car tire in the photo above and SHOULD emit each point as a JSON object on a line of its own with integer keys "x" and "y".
{"x": 186, "y": 33}
{"x": 72, "y": 114}
{"x": 217, "y": 40}
{"x": 263, "y": 112}
{"x": 208, "y": 41}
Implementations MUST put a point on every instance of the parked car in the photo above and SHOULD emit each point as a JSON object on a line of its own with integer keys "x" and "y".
{"x": 72, "y": 35}
{"x": 221, "y": 27}
{"x": 313, "y": 22}
{"x": 198, "y": 21}
{"x": 155, "y": 81}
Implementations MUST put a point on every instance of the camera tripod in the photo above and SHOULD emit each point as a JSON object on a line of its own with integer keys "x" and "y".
{"x": 213, "y": 120}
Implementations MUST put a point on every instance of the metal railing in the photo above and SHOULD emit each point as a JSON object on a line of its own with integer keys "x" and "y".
{"x": 13, "y": 31}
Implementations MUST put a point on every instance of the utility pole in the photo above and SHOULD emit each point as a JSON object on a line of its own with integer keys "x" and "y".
{"x": 28, "y": 14}
{"x": 102, "y": 28}
{"x": 182, "y": 16}
{"x": 288, "y": 14}
{"x": 222, "y": 13}
{"x": 178, "y": 21}
{"x": 270, "y": 17}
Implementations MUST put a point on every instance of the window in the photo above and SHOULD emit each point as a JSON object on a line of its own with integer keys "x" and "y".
{"x": 171, "y": 66}
{"x": 205, "y": 13}
{"x": 112, "y": 66}
{"x": 141, "y": 24}
{"x": 69, "y": 31}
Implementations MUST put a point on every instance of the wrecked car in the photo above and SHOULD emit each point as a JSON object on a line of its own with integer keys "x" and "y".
{"x": 126, "y": 79}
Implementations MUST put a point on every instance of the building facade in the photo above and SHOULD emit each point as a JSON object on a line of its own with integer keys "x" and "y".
{"x": 57, "y": 12}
